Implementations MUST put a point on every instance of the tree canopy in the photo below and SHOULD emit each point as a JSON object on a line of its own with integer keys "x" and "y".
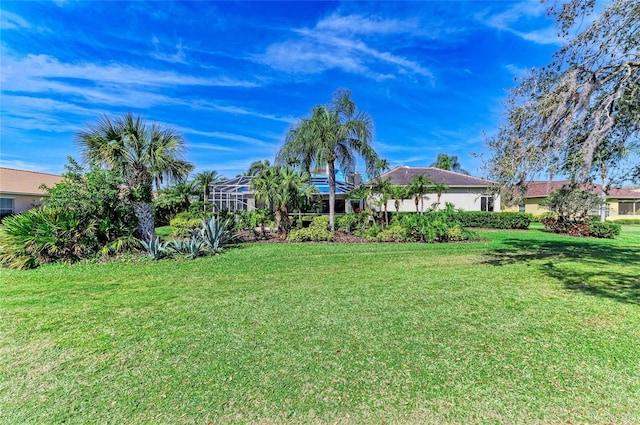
{"x": 567, "y": 117}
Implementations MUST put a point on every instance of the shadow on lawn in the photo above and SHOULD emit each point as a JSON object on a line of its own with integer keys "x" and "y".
{"x": 587, "y": 266}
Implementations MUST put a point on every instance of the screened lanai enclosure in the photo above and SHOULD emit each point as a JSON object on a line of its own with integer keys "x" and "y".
{"x": 236, "y": 195}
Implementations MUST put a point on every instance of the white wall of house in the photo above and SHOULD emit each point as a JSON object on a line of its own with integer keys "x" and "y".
{"x": 468, "y": 199}
{"x": 22, "y": 202}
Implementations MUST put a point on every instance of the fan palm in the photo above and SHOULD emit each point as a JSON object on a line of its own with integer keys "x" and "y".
{"x": 334, "y": 133}
{"x": 141, "y": 155}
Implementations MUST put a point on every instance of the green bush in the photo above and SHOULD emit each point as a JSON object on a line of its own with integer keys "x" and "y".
{"x": 494, "y": 220}
{"x": 320, "y": 222}
{"x": 39, "y": 236}
{"x": 352, "y": 221}
{"x": 310, "y": 234}
{"x": 394, "y": 233}
{"x": 184, "y": 224}
{"x": 627, "y": 221}
{"x": 607, "y": 230}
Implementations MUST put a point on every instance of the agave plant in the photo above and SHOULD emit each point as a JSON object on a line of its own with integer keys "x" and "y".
{"x": 190, "y": 248}
{"x": 215, "y": 234}
{"x": 155, "y": 249}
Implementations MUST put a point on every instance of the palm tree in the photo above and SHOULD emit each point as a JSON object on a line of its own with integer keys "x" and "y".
{"x": 449, "y": 163}
{"x": 381, "y": 166}
{"x": 140, "y": 154}
{"x": 383, "y": 188}
{"x": 398, "y": 194}
{"x": 205, "y": 179}
{"x": 257, "y": 166}
{"x": 438, "y": 188}
{"x": 418, "y": 186}
{"x": 361, "y": 192}
{"x": 332, "y": 133}
{"x": 281, "y": 189}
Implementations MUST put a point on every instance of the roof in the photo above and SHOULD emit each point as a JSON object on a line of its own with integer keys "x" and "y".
{"x": 402, "y": 175}
{"x": 22, "y": 182}
{"x": 542, "y": 189}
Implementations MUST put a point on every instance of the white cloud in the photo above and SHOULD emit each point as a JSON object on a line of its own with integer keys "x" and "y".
{"x": 19, "y": 74}
{"x": 334, "y": 43}
{"x": 525, "y": 20}
{"x": 11, "y": 21}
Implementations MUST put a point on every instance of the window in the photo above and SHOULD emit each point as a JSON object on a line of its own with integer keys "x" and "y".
{"x": 486, "y": 203}
{"x": 6, "y": 207}
{"x": 628, "y": 207}
{"x": 521, "y": 208}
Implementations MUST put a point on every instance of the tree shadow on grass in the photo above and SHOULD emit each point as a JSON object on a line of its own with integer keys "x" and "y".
{"x": 589, "y": 266}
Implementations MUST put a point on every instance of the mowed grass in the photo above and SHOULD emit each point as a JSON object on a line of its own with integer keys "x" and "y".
{"x": 527, "y": 327}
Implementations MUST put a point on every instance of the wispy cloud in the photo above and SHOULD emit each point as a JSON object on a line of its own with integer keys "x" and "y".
{"x": 337, "y": 42}
{"x": 525, "y": 20}
{"x": 11, "y": 21}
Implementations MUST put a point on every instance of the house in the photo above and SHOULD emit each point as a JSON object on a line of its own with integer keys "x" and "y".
{"x": 465, "y": 192}
{"x": 621, "y": 203}
{"x": 20, "y": 190}
{"x": 236, "y": 194}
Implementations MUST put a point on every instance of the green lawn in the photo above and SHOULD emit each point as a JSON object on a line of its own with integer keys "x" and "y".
{"x": 527, "y": 327}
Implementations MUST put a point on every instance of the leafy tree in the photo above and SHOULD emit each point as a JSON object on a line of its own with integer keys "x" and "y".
{"x": 140, "y": 154}
{"x": 449, "y": 163}
{"x": 585, "y": 103}
{"x": 419, "y": 186}
{"x": 334, "y": 133}
{"x": 572, "y": 205}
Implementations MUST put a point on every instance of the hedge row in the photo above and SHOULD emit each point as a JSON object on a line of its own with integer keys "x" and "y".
{"x": 494, "y": 220}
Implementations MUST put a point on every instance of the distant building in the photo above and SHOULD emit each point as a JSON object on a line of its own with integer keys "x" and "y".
{"x": 621, "y": 203}
{"x": 465, "y": 192}
{"x": 20, "y": 189}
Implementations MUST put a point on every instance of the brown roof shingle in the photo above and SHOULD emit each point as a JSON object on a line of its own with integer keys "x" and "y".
{"x": 21, "y": 182}
{"x": 542, "y": 189}
{"x": 402, "y": 175}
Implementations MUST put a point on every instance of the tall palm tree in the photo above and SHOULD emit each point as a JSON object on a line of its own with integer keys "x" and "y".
{"x": 205, "y": 179}
{"x": 257, "y": 166}
{"x": 449, "y": 163}
{"x": 361, "y": 192}
{"x": 140, "y": 154}
{"x": 381, "y": 166}
{"x": 334, "y": 133}
{"x": 419, "y": 186}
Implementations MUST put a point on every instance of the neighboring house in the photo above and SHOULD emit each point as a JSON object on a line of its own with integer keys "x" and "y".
{"x": 236, "y": 194}
{"x": 465, "y": 192}
{"x": 20, "y": 190}
{"x": 621, "y": 203}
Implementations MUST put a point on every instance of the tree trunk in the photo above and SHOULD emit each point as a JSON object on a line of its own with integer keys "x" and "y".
{"x": 332, "y": 194}
{"x": 422, "y": 203}
{"x": 416, "y": 201}
{"x": 144, "y": 213}
{"x": 603, "y": 175}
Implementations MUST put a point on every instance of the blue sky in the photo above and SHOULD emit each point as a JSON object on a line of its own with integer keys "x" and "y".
{"x": 232, "y": 77}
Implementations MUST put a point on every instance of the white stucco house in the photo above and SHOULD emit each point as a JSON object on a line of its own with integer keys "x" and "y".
{"x": 465, "y": 192}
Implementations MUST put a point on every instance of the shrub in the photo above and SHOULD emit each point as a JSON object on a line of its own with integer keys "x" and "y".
{"x": 395, "y": 233}
{"x": 310, "y": 234}
{"x": 352, "y": 221}
{"x": 627, "y": 221}
{"x": 184, "y": 224}
{"x": 46, "y": 235}
{"x": 320, "y": 222}
{"x": 607, "y": 230}
{"x": 494, "y": 220}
